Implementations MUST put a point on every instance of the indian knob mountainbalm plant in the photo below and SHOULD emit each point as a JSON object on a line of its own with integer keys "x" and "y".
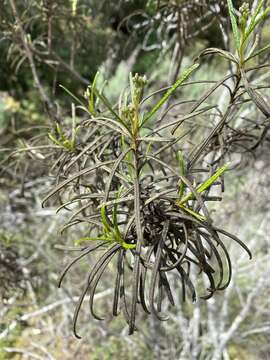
{"x": 141, "y": 198}
{"x": 139, "y": 208}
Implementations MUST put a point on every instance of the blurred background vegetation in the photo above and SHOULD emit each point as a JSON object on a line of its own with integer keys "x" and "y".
{"x": 45, "y": 43}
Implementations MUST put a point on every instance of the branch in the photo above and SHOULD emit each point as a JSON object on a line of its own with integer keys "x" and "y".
{"x": 50, "y": 106}
{"x": 46, "y": 309}
{"x": 22, "y": 351}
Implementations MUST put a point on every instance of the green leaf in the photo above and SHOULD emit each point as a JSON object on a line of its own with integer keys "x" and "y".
{"x": 114, "y": 215}
{"x": 256, "y": 12}
{"x": 182, "y": 170}
{"x": 254, "y": 21}
{"x": 112, "y": 124}
{"x": 128, "y": 246}
{"x": 106, "y": 102}
{"x": 91, "y": 104}
{"x": 205, "y": 185}
{"x": 87, "y": 238}
{"x": 72, "y": 95}
{"x": 105, "y": 221}
{"x": 171, "y": 90}
{"x": 54, "y": 140}
{"x": 234, "y": 24}
{"x": 223, "y": 53}
{"x": 193, "y": 213}
{"x": 113, "y": 233}
{"x": 260, "y": 51}
{"x": 132, "y": 89}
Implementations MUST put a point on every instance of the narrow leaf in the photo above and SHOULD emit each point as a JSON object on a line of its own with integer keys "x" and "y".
{"x": 156, "y": 139}
{"x": 205, "y": 185}
{"x": 87, "y": 238}
{"x": 182, "y": 170}
{"x": 256, "y": 20}
{"x": 267, "y": 47}
{"x": 92, "y": 95}
{"x": 105, "y": 220}
{"x": 234, "y": 24}
{"x": 109, "y": 107}
{"x": 191, "y": 212}
{"x": 73, "y": 177}
{"x": 223, "y": 53}
{"x": 72, "y": 95}
{"x": 171, "y": 90}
